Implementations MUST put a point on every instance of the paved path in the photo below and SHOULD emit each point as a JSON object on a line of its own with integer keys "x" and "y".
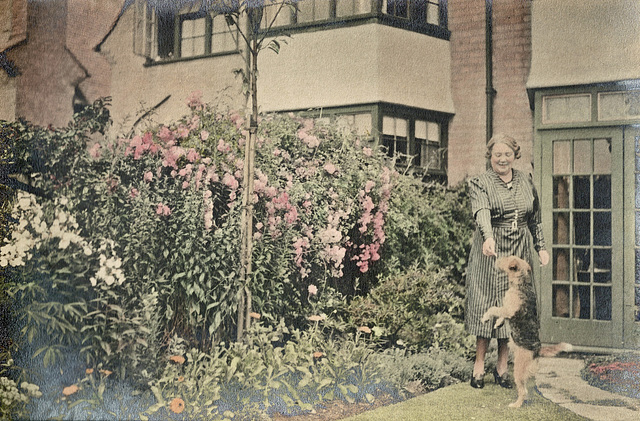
{"x": 559, "y": 380}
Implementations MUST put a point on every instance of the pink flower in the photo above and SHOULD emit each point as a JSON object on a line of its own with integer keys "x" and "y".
{"x": 291, "y": 216}
{"x": 134, "y": 193}
{"x": 163, "y": 209}
{"x": 204, "y": 135}
{"x": 166, "y": 136}
{"x": 230, "y": 181}
{"x": 94, "y": 151}
{"x": 223, "y": 146}
{"x": 367, "y": 151}
{"x": 148, "y": 176}
{"x": 330, "y": 168}
{"x": 369, "y": 185}
{"x": 192, "y": 155}
{"x": 194, "y": 100}
{"x": 185, "y": 184}
{"x": 183, "y": 131}
{"x": 313, "y": 290}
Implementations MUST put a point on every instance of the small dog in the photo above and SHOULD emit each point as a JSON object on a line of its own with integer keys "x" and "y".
{"x": 519, "y": 307}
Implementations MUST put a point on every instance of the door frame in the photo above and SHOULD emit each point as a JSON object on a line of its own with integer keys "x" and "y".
{"x": 631, "y": 328}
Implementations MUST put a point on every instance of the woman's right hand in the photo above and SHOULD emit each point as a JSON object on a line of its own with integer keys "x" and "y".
{"x": 489, "y": 247}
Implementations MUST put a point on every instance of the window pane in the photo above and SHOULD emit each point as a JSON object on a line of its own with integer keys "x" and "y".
{"x": 602, "y": 156}
{"x": 618, "y": 105}
{"x": 283, "y": 18}
{"x": 561, "y": 264}
{"x": 582, "y": 156}
{"x": 388, "y": 125}
{"x": 582, "y": 192}
{"x": 433, "y": 131}
{"x": 397, "y": 8}
{"x": 561, "y": 192}
{"x": 313, "y": 10}
{"x": 433, "y": 13}
{"x": 566, "y": 108}
{"x": 602, "y": 265}
{"x": 193, "y": 35}
{"x": 583, "y": 298}
{"x": 581, "y": 228}
{"x": 222, "y": 39}
{"x": 561, "y": 228}
{"x": 602, "y": 228}
{"x": 362, "y": 123}
{"x": 562, "y": 157}
{"x": 561, "y": 301}
{"x": 421, "y": 129}
{"x": 602, "y": 192}
{"x": 401, "y": 127}
{"x": 602, "y": 300}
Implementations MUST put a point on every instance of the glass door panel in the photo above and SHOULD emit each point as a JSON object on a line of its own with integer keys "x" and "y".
{"x": 583, "y": 296}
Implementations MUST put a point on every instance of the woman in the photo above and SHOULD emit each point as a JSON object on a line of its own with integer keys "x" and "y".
{"x": 506, "y": 209}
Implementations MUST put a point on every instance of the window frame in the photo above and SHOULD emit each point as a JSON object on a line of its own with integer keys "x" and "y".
{"x": 380, "y": 110}
{"x": 175, "y": 53}
{"x": 378, "y": 13}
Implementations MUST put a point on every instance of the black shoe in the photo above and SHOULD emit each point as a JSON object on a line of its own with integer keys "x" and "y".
{"x": 477, "y": 383}
{"x": 503, "y": 380}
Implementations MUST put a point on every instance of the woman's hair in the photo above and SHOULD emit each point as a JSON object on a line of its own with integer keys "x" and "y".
{"x": 507, "y": 140}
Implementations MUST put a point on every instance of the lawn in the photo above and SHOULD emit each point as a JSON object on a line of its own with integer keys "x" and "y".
{"x": 461, "y": 402}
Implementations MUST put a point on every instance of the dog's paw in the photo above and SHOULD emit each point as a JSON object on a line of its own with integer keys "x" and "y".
{"x": 488, "y": 315}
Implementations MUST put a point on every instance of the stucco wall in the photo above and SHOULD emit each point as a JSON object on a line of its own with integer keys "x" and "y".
{"x": 345, "y": 66}
{"x": 136, "y": 87}
{"x": 577, "y": 42}
{"x": 7, "y": 97}
{"x": 354, "y": 65}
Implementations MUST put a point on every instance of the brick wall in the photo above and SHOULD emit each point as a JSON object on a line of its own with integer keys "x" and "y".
{"x": 58, "y": 57}
{"x": 511, "y": 60}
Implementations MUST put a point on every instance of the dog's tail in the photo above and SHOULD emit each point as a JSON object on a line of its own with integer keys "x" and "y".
{"x": 552, "y": 350}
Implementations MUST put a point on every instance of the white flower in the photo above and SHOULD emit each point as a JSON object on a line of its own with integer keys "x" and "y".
{"x": 87, "y": 250}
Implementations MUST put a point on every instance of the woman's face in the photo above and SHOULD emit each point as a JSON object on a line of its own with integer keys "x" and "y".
{"x": 502, "y": 157}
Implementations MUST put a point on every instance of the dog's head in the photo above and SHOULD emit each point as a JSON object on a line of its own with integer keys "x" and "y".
{"x": 513, "y": 266}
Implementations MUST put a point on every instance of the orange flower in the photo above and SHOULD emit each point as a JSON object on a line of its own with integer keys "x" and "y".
{"x": 178, "y": 359}
{"x": 315, "y": 318}
{"x": 176, "y": 405}
{"x": 89, "y": 371}
{"x": 318, "y": 354}
{"x": 364, "y": 329}
{"x": 255, "y": 315}
{"x": 70, "y": 390}
{"x": 181, "y": 379}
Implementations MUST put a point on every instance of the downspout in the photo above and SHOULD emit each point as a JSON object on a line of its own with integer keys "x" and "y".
{"x": 490, "y": 91}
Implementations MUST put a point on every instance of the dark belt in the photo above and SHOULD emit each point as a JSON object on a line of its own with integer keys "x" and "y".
{"x": 508, "y": 223}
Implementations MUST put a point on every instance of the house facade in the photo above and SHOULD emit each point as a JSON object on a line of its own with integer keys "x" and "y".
{"x": 430, "y": 80}
{"x": 48, "y": 66}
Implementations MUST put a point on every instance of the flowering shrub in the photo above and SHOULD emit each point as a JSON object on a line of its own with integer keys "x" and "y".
{"x": 13, "y": 398}
{"x": 140, "y": 239}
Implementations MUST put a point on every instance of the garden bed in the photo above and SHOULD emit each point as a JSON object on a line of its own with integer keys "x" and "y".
{"x": 617, "y": 374}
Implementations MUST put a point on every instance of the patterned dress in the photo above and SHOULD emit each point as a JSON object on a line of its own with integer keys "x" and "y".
{"x": 510, "y": 213}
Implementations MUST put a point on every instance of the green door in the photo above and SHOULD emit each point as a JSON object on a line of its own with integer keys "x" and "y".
{"x": 581, "y": 192}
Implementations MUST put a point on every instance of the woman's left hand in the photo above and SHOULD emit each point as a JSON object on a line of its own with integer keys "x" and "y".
{"x": 544, "y": 257}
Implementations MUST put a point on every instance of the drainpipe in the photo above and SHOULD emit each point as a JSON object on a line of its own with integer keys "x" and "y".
{"x": 490, "y": 92}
